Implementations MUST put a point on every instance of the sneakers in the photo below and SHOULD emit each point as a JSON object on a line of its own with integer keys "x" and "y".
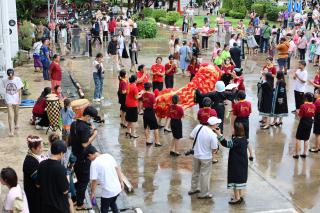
{"x": 11, "y": 134}
{"x": 102, "y": 98}
{"x": 38, "y": 127}
{"x": 96, "y": 100}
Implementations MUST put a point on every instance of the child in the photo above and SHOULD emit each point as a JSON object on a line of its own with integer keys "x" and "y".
{"x": 238, "y": 78}
{"x": 206, "y": 112}
{"x": 58, "y": 91}
{"x": 67, "y": 116}
{"x": 218, "y": 60}
{"x": 316, "y": 123}
{"x": 175, "y": 113}
{"x": 227, "y": 68}
{"x": 149, "y": 117}
{"x": 306, "y": 114}
{"x": 241, "y": 110}
{"x": 312, "y": 50}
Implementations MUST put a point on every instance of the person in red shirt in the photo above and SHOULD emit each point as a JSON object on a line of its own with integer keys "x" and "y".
{"x": 112, "y": 26}
{"x": 316, "y": 81}
{"x": 39, "y": 110}
{"x": 227, "y": 69}
{"x": 241, "y": 109}
{"x": 143, "y": 77}
{"x": 55, "y": 72}
{"x": 58, "y": 91}
{"x": 193, "y": 67}
{"x": 175, "y": 113}
{"x": 158, "y": 72}
{"x": 316, "y": 123}
{"x": 122, "y": 91}
{"x": 270, "y": 68}
{"x": 238, "y": 78}
{"x": 170, "y": 70}
{"x": 306, "y": 113}
{"x": 132, "y": 106}
{"x": 149, "y": 116}
{"x": 206, "y": 112}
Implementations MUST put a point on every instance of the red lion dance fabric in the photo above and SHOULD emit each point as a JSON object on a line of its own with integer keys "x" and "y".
{"x": 204, "y": 80}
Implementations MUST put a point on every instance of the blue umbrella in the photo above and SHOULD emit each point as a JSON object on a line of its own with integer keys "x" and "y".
{"x": 289, "y": 6}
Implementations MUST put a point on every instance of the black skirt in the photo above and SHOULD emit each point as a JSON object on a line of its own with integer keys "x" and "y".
{"x": 245, "y": 123}
{"x": 122, "y": 101}
{"x": 316, "y": 124}
{"x": 132, "y": 114}
{"x": 176, "y": 127}
{"x": 304, "y": 129}
{"x": 149, "y": 119}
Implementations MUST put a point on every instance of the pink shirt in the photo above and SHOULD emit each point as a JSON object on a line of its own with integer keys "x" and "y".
{"x": 291, "y": 46}
{"x": 215, "y": 52}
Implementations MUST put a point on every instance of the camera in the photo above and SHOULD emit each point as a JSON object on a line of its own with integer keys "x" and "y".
{"x": 190, "y": 152}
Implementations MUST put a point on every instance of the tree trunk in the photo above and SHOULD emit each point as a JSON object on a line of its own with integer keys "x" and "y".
{"x": 171, "y": 5}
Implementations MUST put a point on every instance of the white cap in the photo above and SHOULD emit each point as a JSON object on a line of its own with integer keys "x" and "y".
{"x": 213, "y": 120}
{"x": 220, "y": 87}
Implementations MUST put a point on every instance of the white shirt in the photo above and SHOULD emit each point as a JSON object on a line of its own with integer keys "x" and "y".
{"x": 121, "y": 42}
{"x": 13, "y": 193}
{"x": 95, "y": 63}
{"x": 37, "y": 46}
{"x": 298, "y": 85}
{"x": 12, "y": 88}
{"x": 206, "y": 142}
{"x": 104, "y": 25}
{"x": 103, "y": 169}
{"x": 231, "y": 42}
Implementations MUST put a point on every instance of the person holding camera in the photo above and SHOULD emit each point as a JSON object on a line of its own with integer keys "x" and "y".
{"x": 204, "y": 145}
{"x": 98, "y": 76}
{"x": 237, "y": 161}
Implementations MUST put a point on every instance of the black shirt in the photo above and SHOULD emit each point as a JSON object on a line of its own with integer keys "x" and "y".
{"x": 112, "y": 48}
{"x": 235, "y": 53}
{"x": 80, "y": 133}
{"x": 53, "y": 184}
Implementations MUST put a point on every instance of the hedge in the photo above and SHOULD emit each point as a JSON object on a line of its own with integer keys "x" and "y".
{"x": 259, "y": 8}
{"x": 224, "y": 11}
{"x": 237, "y": 15}
{"x": 147, "y": 12}
{"x": 147, "y": 28}
{"x": 158, "y": 13}
{"x": 172, "y": 17}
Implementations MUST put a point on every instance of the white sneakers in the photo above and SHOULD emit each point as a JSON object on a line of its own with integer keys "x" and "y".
{"x": 38, "y": 127}
{"x": 98, "y": 99}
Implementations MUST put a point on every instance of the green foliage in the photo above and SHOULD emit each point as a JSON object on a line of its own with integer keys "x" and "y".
{"x": 237, "y": 15}
{"x": 135, "y": 17}
{"x": 158, "y": 13}
{"x": 147, "y": 29}
{"x": 147, "y": 12}
{"x": 163, "y": 20}
{"x": 239, "y": 6}
{"x": 26, "y": 9}
{"x": 224, "y": 11}
{"x": 25, "y": 35}
{"x": 248, "y": 4}
{"x": 259, "y": 8}
{"x": 150, "y": 19}
{"x": 172, "y": 17}
{"x": 227, "y": 4}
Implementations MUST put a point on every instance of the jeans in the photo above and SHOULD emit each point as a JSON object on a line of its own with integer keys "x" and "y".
{"x": 76, "y": 44}
{"x": 45, "y": 70}
{"x": 309, "y": 23}
{"x": 13, "y": 116}
{"x": 264, "y": 44}
{"x": 109, "y": 202}
{"x": 98, "y": 85}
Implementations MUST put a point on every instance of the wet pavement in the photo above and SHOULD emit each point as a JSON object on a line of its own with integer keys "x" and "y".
{"x": 276, "y": 182}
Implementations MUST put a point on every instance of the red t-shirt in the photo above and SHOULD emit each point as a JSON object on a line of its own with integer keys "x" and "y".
{"x": 55, "y": 70}
{"x": 193, "y": 69}
{"x": 148, "y": 100}
{"x": 239, "y": 80}
{"x": 307, "y": 110}
{"x": 317, "y": 79}
{"x": 132, "y": 91}
{"x": 157, "y": 68}
{"x": 123, "y": 84}
{"x": 242, "y": 109}
{"x": 175, "y": 112}
{"x": 140, "y": 85}
{"x": 205, "y": 113}
{"x": 173, "y": 70}
{"x": 271, "y": 70}
{"x": 317, "y": 104}
{"x": 227, "y": 69}
{"x": 39, "y": 108}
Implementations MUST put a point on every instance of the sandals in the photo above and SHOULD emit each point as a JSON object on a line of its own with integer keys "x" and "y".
{"x": 214, "y": 161}
{"x": 235, "y": 202}
{"x": 194, "y": 192}
{"x": 314, "y": 150}
{"x": 83, "y": 208}
{"x": 208, "y": 196}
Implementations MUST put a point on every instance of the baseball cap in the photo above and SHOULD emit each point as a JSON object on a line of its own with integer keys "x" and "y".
{"x": 214, "y": 120}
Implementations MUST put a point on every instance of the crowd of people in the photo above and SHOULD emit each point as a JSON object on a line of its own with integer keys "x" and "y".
{"x": 49, "y": 177}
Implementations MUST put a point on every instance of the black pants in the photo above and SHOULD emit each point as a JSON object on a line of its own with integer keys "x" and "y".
{"x": 205, "y": 42}
{"x": 285, "y": 23}
{"x": 82, "y": 170}
{"x": 96, "y": 37}
{"x": 302, "y": 53}
{"x": 288, "y": 61}
{"x": 157, "y": 85}
{"x": 309, "y": 23}
{"x": 105, "y": 36}
{"x": 168, "y": 80}
{"x": 44, "y": 120}
{"x": 192, "y": 76}
{"x": 298, "y": 97}
{"x": 109, "y": 202}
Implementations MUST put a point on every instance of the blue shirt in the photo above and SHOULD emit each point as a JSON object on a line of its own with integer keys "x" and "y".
{"x": 67, "y": 116}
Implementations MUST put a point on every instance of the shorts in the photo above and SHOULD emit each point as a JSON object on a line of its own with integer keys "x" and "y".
{"x": 282, "y": 62}
{"x": 132, "y": 114}
{"x": 149, "y": 119}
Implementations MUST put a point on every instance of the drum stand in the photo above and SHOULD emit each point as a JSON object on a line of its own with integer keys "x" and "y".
{"x": 53, "y": 128}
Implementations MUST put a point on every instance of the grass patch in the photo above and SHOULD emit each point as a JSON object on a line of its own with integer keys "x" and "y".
{"x": 200, "y": 22}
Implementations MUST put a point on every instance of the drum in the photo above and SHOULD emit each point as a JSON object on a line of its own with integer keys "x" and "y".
{"x": 53, "y": 111}
{"x": 79, "y": 105}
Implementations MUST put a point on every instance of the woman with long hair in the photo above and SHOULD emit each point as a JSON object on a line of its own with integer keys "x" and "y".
{"x": 193, "y": 67}
{"x": 39, "y": 110}
{"x": 265, "y": 99}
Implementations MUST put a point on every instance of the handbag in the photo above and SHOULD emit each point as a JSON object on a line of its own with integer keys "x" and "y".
{"x": 17, "y": 206}
{"x": 191, "y": 151}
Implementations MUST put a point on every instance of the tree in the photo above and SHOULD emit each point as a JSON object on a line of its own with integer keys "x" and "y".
{"x": 239, "y": 6}
{"x": 227, "y": 4}
{"x": 27, "y": 8}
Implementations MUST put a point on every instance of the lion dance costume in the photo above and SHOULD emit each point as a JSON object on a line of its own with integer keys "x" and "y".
{"x": 204, "y": 81}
